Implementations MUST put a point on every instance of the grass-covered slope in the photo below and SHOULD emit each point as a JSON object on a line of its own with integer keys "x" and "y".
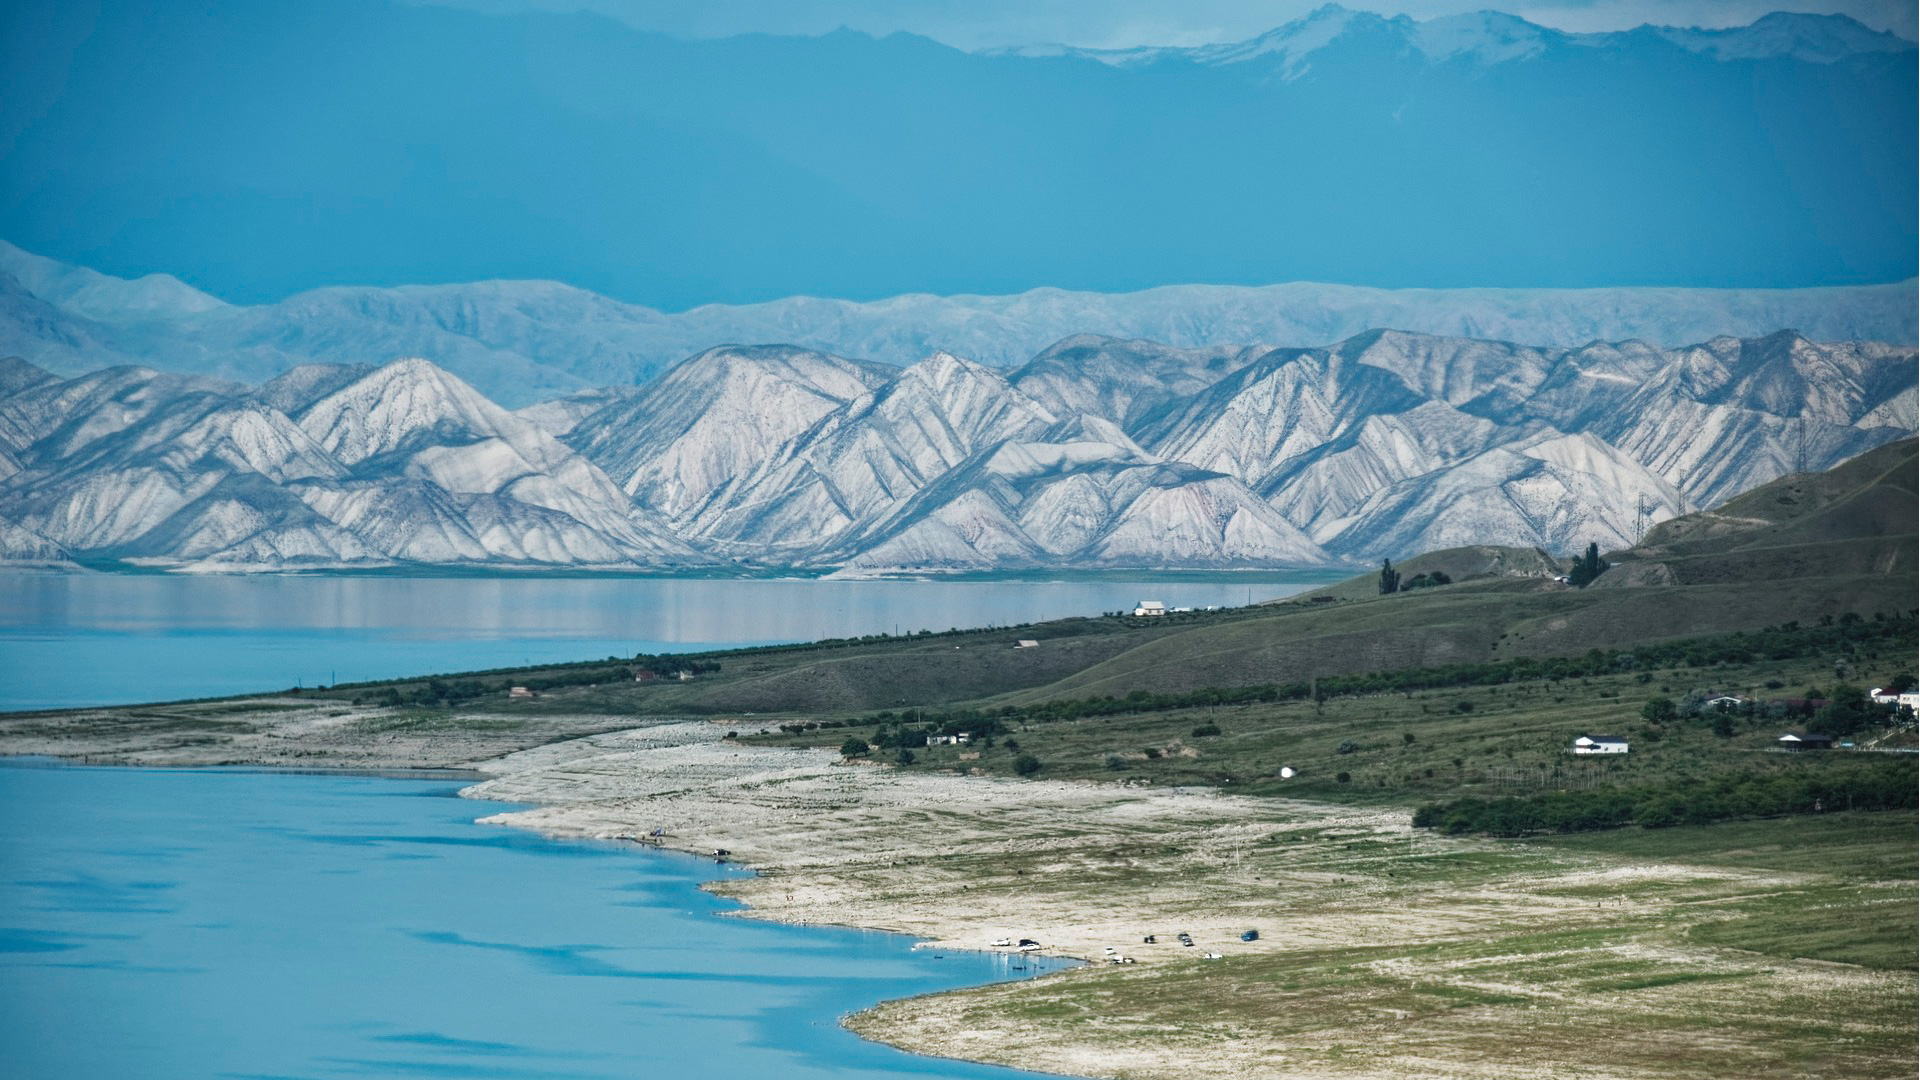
{"x": 1857, "y": 518}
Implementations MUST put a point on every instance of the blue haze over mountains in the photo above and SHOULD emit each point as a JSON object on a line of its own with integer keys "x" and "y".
{"x": 260, "y": 149}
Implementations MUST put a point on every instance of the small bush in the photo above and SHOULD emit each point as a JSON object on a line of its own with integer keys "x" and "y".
{"x": 904, "y": 757}
{"x": 1343, "y": 778}
{"x": 1206, "y": 730}
{"x": 1026, "y": 764}
{"x": 1346, "y": 747}
{"x": 854, "y": 747}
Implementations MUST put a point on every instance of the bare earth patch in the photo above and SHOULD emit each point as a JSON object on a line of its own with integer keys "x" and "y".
{"x": 1381, "y": 953}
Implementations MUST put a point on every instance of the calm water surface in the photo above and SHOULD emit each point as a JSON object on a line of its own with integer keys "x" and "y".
{"x": 219, "y": 923}
{"x": 100, "y": 639}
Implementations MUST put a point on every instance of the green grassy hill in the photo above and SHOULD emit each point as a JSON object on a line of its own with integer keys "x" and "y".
{"x": 1858, "y": 518}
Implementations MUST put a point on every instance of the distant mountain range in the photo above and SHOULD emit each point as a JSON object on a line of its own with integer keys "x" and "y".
{"x": 260, "y": 150}
{"x": 1098, "y": 452}
{"x": 520, "y": 342}
{"x": 1490, "y": 38}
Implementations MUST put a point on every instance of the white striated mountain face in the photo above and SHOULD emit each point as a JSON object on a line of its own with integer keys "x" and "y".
{"x": 1097, "y": 453}
{"x": 715, "y": 417}
{"x": 1558, "y": 491}
{"x": 324, "y": 467}
{"x": 835, "y": 482}
{"x": 1123, "y": 380}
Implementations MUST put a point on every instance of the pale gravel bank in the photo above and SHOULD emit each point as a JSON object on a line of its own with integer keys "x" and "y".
{"x": 1088, "y": 867}
{"x": 872, "y": 846}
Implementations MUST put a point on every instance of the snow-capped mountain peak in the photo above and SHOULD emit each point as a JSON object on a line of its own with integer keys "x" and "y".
{"x": 1811, "y": 38}
{"x": 401, "y": 404}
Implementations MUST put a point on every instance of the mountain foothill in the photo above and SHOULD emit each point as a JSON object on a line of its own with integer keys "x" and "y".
{"x": 1098, "y": 452}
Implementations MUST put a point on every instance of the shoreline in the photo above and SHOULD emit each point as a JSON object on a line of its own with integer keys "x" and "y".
{"x": 1384, "y": 953}
{"x": 476, "y": 775}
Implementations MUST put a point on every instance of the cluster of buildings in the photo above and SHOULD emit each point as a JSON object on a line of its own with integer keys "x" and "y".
{"x": 1615, "y": 744}
{"x": 1153, "y": 608}
{"x": 1792, "y": 740}
{"x": 1896, "y": 698}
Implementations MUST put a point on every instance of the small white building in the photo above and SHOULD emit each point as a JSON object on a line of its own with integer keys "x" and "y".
{"x": 1895, "y": 699}
{"x": 1726, "y": 701}
{"x": 1026, "y": 643}
{"x": 964, "y": 738}
{"x": 1798, "y": 740}
{"x": 1150, "y": 607}
{"x": 1599, "y": 744}
{"x": 520, "y": 693}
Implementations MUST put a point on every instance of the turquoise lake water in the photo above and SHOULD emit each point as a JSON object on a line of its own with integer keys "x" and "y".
{"x": 106, "y": 639}
{"x": 247, "y": 924}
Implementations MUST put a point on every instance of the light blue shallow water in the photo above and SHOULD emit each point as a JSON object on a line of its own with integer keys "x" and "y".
{"x": 221, "y": 923}
{"x": 103, "y": 639}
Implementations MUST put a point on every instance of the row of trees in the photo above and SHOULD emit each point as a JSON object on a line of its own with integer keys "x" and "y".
{"x": 1587, "y": 567}
{"x": 1881, "y": 784}
{"x": 1844, "y": 710}
{"x": 1390, "y": 579}
{"x": 451, "y": 691}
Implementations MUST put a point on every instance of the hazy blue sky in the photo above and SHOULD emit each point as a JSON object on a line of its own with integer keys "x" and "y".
{"x": 975, "y": 24}
{"x": 257, "y": 148}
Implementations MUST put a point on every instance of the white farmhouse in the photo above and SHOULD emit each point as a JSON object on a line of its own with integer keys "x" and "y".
{"x": 1150, "y": 607}
{"x": 1599, "y": 744}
